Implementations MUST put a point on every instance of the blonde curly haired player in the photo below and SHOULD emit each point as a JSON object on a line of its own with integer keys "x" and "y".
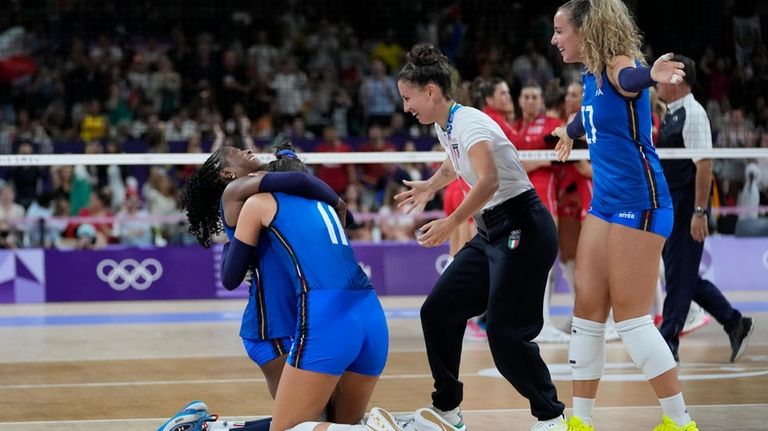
{"x": 631, "y": 213}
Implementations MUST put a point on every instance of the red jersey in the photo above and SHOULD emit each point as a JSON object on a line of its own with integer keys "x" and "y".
{"x": 532, "y": 138}
{"x": 507, "y": 128}
{"x": 334, "y": 174}
{"x": 375, "y": 174}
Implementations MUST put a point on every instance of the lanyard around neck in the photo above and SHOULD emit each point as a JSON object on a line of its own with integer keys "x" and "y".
{"x": 451, "y": 112}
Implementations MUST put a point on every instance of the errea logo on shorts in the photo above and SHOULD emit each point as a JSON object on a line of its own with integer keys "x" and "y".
{"x": 129, "y": 273}
{"x": 627, "y": 215}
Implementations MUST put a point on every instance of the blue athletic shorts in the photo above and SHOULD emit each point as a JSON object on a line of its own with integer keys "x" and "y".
{"x": 658, "y": 221}
{"x": 263, "y": 351}
{"x": 338, "y": 331}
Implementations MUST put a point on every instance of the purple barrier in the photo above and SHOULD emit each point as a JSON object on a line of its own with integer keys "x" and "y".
{"x": 33, "y": 275}
{"x": 22, "y": 276}
{"x": 130, "y": 273}
{"x": 395, "y": 268}
{"x": 736, "y": 263}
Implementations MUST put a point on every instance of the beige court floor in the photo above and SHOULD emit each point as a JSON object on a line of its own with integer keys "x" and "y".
{"x": 132, "y": 376}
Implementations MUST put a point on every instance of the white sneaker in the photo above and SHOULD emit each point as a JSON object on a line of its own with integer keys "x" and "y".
{"x": 556, "y": 424}
{"x": 432, "y": 419}
{"x": 224, "y": 425}
{"x": 695, "y": 319}
{"x": 550, "y": 334}
{"x": 381, "y": 420}
{"x": 406, "y": 421}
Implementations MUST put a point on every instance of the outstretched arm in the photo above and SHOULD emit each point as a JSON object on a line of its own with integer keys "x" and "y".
{"x": 294, "y": 183}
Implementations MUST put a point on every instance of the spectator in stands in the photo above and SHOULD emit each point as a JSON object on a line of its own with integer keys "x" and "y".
{"x": 7, "y": 237}
{"x": 94, "y": 124}
{"x": 194, "y": 146}
{"x": 27, "y": 130}
{"x": 159, "y": 193}
{"x": 28, "y": 180}
{"x": 395, "y": 223}
{"x": 338, "y": 176}
{"x": 374, "y": 176}
{"x": 378, "y": 95}
{"x": 264, "y": 53}
{"x": 290, "y": 86}
{"x": 322, "y": 89}
{"x": 362, "y": 228}
{"x": 10, "y": 210}
{"x": 164, "y": 89}
{"x": 130, "y": 228}
{"x": 41, "y": 230}
{"x": 181, "y": 127}
{"x": 98, "y": 233}
{"x": 232, "y": 88}
{"x": 352, "y": 61}
{"x": 388, "y": 51}
{"x": 118, "y": 105}
{"x": 532, "y": 66}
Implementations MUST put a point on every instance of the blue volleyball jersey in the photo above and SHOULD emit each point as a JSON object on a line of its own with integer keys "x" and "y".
{"x": 627, "y": 171}
{"x": 315, "y": 247}
{"x": 271, "y": 309}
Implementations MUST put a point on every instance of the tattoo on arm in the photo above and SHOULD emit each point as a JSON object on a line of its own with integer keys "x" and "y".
{"x": 446, "y": 171}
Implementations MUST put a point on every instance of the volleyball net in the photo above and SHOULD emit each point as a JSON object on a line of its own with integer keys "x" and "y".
{"x": 378, "y": 212}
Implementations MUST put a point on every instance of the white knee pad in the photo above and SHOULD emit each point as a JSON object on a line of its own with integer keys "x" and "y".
{"x": 646, "y": 346}
{"x": 586, "y": 352}
{"x": 305, "y": 426}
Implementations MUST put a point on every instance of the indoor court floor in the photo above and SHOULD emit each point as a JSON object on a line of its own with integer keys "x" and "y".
{"x": 131, "y": 365}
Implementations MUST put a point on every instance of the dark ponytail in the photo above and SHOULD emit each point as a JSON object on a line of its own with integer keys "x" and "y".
{"x": 201, "y": 197}
{"x": 427, "y": 64}
{"x": 286, "y": 159}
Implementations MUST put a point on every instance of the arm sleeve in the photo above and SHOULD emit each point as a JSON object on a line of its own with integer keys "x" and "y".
{"x": 236, "y": 258}
{"x": 575, "y": 128}
{"x": 635, "y": 79}
{"x": 299, "y": 184}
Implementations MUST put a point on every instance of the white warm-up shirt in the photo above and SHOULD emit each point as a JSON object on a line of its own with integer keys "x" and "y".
{"x": 470, "y": 126}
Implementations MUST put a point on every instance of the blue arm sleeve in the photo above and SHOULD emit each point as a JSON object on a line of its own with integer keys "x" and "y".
{"x": 235, "y": 261}
{"x": 575, "y": 128}
{"x": 299, "y": 184}
{"x": 635, "y": 79}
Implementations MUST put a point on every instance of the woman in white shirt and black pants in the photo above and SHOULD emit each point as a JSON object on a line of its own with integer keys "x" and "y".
{"x": 503, "y": 270}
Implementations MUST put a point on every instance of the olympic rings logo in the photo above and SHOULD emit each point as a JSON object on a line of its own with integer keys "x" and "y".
{"x": 765, "y": 259}
{"x": 129, "y": 273}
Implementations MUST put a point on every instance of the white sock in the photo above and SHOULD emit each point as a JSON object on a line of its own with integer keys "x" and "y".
{"x": 674, "y": 407}
{"x": 583, "y": 407}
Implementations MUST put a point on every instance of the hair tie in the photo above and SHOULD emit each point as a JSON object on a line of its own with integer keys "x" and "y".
{"x": 286, "y": 153}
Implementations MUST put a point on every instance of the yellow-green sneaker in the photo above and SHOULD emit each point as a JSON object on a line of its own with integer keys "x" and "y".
{"x": 667, "y": 424}
{"x": 576, "y": 424}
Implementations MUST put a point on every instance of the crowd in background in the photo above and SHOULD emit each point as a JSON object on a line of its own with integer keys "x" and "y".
{"x": 267, "y": 73}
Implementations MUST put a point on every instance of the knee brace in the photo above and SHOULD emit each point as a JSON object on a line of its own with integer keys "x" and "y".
{"x": 646, "y": 346}
{"x": 586, "y": 352}
{"x": 305, "y": 426}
